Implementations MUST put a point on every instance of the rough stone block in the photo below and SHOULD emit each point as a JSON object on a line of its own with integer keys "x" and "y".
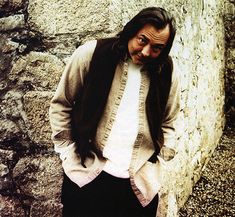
{"x": 12, "y": 22}
{"x": 12, "y": 126}
{"x": 6, "y": 183}
{"x": 39, "y": 177}
{"x": 10, "y": 5}
{"x": 9, "y": 130}
{"x": 10, "y": 207}
{"x": 55, "y": 17}
{"x": 36, "y": 106}
{"x": 50, "y": 208}
{"x": 6, "y": 155}
{"x": 8, "y": 46}
{"x": 5, "y": 180}
{"x": 3, "y": 3}
{"x": 5, "y": 65}
{"x": 41, "y": 71}
{"x": 3, "y": 170}
{"x": 17, "y": 3}
{"x": 63, "y": 45}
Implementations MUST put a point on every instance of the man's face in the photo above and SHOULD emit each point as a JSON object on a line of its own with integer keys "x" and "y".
{"x": 147, "y": 44}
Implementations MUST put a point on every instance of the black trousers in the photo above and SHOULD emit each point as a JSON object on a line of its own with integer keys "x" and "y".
{"x": 106, "y": 196}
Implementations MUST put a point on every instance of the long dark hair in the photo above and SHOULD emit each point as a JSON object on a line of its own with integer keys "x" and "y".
{"x": 156, "y": 16}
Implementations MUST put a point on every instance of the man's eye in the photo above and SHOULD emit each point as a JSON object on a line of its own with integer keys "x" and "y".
{"x": 157, "y": 49}
{"x": 142, "y": 41}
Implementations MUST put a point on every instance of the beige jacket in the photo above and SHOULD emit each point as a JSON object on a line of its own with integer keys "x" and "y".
{"x": 145, "y": 176}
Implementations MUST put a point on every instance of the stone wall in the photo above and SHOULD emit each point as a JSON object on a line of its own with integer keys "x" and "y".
{"x": 37, "y": 37}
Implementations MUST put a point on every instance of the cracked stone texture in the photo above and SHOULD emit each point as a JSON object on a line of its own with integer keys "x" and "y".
{"x": 11, "y": 207}
{"x": 37, "y": 70}
{"x": 213, "y": 195}
{"x": 39, "y": 177}
{"x": 8, "y": 130}
{"x": 48, "y": 208}
{"x": 11, "y": 5}
{"x": 55, "y": 17}
{"x": 36, "y": 105}
{"x": 38, "y": 180}
{"x": 12, "y": 22}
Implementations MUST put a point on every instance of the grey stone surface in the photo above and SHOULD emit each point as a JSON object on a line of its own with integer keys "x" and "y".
{"x": 47, "y": 208}
{"x": 7, "y": 46}
{"x": 36, "y": 105}
{"x": 62, "y": 45}
{"x": 3, "y": 170}
{"x": 39, "y": 70}
{"x": 10, "y": 5}
{"x": 213, "y": 195}
{"x": 6, "y": 183}
{"x": 3, "y": 3}
{"x": 39, "y": 177}
{"x": 5, "y": 65}
{"x": 11, "y": 107}
{"x": 8, "y": 130}
{"x": 6, "y": 155}
{"x": 12, "y": 22}
{"x": 55, "y": 17}
{"x": 11, "y": 207}
{"x": 16, "y": 3}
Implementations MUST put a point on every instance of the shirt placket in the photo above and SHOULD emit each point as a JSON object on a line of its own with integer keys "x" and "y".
{"x": 117, "y": 101}
{"x": 141, "y": 124}
{"x": 140, "y": 137}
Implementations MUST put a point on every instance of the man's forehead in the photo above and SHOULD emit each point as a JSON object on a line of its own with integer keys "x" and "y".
{"x": 154, "y": 34}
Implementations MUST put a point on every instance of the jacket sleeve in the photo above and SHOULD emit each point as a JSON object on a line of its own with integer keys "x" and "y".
{"x": 62, "y": 103}
{"x": 171, "y": 119}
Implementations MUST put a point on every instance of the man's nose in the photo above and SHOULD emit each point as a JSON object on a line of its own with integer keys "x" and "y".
{"x": 146, "y": 51}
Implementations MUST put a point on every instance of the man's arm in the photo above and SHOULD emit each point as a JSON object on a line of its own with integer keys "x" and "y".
{"x": 62, "y": 104}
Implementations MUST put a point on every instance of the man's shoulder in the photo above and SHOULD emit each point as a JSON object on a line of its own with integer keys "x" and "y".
{"x": 90, "y": 45}
{"x": 83, "y": 53}
{"x": 87, "y": 48}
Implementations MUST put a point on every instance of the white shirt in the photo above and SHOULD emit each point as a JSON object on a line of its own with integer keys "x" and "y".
{"x": 118, "y": 149}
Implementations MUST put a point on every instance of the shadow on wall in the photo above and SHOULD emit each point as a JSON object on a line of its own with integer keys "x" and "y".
{"x": 229, "y": 24}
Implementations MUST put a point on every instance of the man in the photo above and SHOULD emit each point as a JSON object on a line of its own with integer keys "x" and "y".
{"x": 113, "y": 118}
